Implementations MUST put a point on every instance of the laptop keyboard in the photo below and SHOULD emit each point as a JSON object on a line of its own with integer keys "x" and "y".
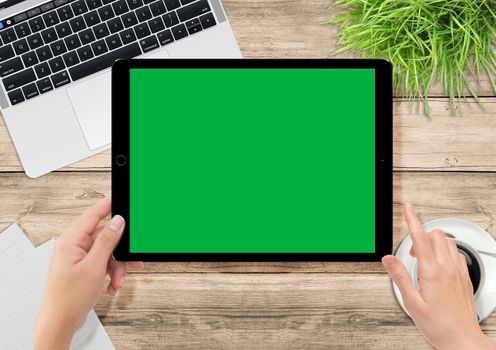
{"x": 62, "y": 41}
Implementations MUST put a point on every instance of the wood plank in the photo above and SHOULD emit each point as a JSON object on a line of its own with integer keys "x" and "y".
{"x": 45, "y": 207}
{"x": 254, "y": 311}
{"x": 446, "y": 142}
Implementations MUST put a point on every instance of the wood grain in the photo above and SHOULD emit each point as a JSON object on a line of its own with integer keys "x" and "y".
{"x": 447, "y": 142}
{"x": 254, "y": 311}
{"x": 445, "y": 166}
{"x": 45, "y": 207}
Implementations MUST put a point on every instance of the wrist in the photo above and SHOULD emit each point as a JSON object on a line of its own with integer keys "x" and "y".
{"x": 470, "y": 341}
{"x": 53, "y": 333}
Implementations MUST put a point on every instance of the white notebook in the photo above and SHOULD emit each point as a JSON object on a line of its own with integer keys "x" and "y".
{"x": 23, "y": 270}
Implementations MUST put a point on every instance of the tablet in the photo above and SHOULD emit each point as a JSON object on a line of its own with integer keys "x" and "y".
{"x": 252, "y": 160}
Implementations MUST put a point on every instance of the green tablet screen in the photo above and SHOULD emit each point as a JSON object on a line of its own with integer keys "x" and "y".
{"x": 252, "y": 161}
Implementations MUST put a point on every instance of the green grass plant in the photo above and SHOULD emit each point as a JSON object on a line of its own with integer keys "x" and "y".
{"x": 427, "y": 41}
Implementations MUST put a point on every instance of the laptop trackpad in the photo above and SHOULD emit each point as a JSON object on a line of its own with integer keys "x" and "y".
{"x": 91, "y": 101}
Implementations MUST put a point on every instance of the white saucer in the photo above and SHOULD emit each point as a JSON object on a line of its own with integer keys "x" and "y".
{"x": 476, "y": 237}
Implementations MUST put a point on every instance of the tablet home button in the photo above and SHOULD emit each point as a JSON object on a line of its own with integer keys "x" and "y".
{"x": 120, "y": 160}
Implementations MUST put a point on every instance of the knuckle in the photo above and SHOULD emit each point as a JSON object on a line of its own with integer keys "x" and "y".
{"x": 436, "y": 234}
{"x": 105, "y": 239}
{"x": 432, "y": 271}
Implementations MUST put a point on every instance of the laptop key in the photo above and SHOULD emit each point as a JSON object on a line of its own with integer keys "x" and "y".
{"x": 72, "y": 42}
{"x": 79, "y": 7}
{"x": 185, "y": 2}
{"x": 71, "y": 59}
{"x": 63, "y": 29}
{"x": 42, "y": 70}
{"x": 93, "y": 4}
{"x": 33, "y": 12}
{"x": 142, "y": 30}
{"x": 194, "y": 29}
{"x": 56, "y": 64}
{"x": 77, "y": 24}
{"x": 85, "y": 53}
{"x": 47, "y": 6}
{"x": 156, "y": 24}
{"x": 10, "y": 66}
{"x": 99, "y": 47}
{"x": 91, "y": 18}
{"x": 49, "y": 35}
{"x": 120, "y": 7}
{"x": 115, "y": 25}
{"x": 35, "y": 41}
{"x": 51, "y": 18}
{"x": 106, "y": 13}
{"x": 6, "y": 52}
{"x": 207, "y": 20}
{"x": 20, "y": 17}
{"x": 101, "y": 30}
{"x": 87, "y": 36}
{"x": 60, "y": 2}
{"x": 8, "y": 35}
{"x": 192, "y": 22}
{"x": 148, "y": 44}
{"x": 44, "y": 53}
{"x": 170, "y": 19}
{"x": 194, "y": 9}
{"x": 172, "y": 4}
{"x": 113, "y": 42}
{"x": 143, "y": 14}
{"x": 44, "y": 85}
{"x": 36, "y": 24}
{"x": 19, "y": 79}
{"x": 127, "y": 36}
{"x": 30, "y": 59}
{"x": 20, "y": 46}
{"x": 65, "y": 13}
{"x": 101, "y": 62}
{"x": 158, "y": 8}
{"x": 16, "y": 97}
{"x": 22, "y": 30}
{"x": 146, "y": 2}
{"x": 134, "y": 4}
{"x": 179, "y": 31}
{"x": 58, "y": 48}
{"x": 165, "y": 37}
{"x": 129, "y": 19}
{"x": 30, "y": 91}
{"x": 60, "y": 79}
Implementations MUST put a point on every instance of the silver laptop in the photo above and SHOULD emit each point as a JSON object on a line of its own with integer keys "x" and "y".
{"x": 54, "y": 65}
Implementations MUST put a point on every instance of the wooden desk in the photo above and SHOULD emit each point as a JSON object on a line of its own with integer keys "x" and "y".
{"x": 444, "y": 166}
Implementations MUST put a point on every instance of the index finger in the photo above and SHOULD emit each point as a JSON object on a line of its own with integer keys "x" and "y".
{"x": 421, "y": 245}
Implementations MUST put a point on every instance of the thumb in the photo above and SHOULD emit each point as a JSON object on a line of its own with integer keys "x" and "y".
{"x": 397, "y": 271}
{"x": 106, "y": 240}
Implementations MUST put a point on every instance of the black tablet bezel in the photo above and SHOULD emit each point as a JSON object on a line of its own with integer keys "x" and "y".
{"x": 383, "y": 148}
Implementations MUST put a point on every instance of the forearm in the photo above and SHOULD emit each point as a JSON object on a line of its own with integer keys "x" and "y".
{"x": 477, "y": 341}
{"x": 51, "y": 335}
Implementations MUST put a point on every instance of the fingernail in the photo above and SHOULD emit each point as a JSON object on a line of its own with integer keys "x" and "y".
{"x": 121, "y": 281}
{"x": 408, "y": 205}
{"x": 116, "y": 223}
